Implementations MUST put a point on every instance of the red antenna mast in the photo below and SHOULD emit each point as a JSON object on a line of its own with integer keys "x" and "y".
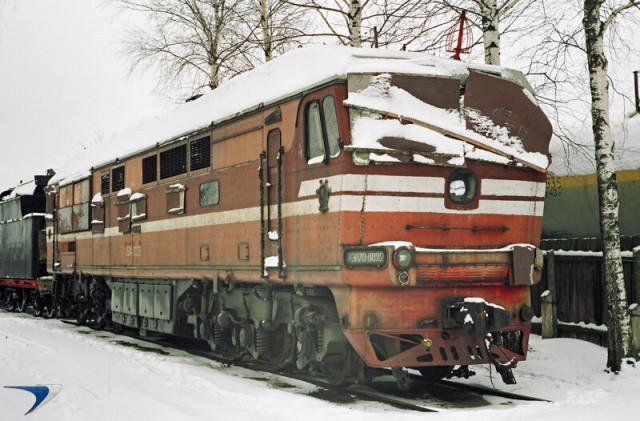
{"x": 462, "y": 42}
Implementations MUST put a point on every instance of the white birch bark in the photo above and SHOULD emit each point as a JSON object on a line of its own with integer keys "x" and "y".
{"x": 619, "y": 331}
{"x": 214, "y": 75}
{"x": 490, "y": 31}
{"x": 266, "y": 30}
{"x": 355, "y": 23}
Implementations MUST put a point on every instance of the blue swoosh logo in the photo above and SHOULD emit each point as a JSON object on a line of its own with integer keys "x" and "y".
{"x": 43, "y": 394}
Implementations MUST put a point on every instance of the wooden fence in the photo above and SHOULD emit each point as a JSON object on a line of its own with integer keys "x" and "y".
{"x": 576, "y": 288}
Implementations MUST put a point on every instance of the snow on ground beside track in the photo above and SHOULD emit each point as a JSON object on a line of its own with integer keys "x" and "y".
{"x": 102, "y": 380}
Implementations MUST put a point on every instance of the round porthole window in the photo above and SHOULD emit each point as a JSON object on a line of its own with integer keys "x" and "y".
{"x": 463, "y": 186}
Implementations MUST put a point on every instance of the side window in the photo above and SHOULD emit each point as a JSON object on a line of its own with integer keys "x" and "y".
{"x": 138, "y": 207}
{"x": 322, "y": 131}
{"x": 331, "y": 125}
{"x": 97, "y": 214}
{"x": 315, "y": 143}
{"x": 209, "y": 193}
{"x": 274, "y": 141}
{"x": 124, "y": 210}
{"x": 117, "y": 179}
{"x": 105, "y": 182}
{"x": 175, "y": 199}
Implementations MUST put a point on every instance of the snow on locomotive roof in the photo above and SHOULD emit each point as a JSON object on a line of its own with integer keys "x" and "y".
{"x": 295, "y": 71}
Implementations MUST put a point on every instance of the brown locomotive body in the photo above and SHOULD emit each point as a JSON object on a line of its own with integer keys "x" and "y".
{"x": 318, "y": 229}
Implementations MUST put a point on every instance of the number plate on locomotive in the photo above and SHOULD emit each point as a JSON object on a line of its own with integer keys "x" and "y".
{"x": 365, "y": 257}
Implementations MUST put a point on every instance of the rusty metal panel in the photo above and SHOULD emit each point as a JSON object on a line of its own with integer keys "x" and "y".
{"x": 65, "y": 219}
{"x": 80, "y": 217}
{"x": 97, "y": 222}
{"x": 162, "y": 302}
{"x": 523, "y": 266}
{"x": 509, "y": 106}
{"x": 441, "y": 92}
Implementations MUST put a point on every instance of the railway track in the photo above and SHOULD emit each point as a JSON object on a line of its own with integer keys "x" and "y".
{"x": 421, "y": 396}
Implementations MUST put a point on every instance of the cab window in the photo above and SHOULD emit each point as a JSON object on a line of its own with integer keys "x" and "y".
{"x": 315, "y": 143}
{"x": 331, "y": 124}
{"x": 322, "y": 132}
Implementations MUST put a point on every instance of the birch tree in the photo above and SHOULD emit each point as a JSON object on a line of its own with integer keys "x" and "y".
{"x": 385, "y": 23}
{"x": 596, "y": 23}
{"x": 494, "y": 18}
{"x": 194, "y": 44}
{"x": 275, "y": 26}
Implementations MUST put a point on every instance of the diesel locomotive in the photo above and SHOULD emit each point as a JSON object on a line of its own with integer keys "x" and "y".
{"x": 334, "y": 210}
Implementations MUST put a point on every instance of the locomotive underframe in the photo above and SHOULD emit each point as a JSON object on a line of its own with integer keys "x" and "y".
{"x": 282, "y": 325}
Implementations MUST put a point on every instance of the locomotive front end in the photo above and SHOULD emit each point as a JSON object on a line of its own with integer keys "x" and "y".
{"x": 445, "y": 307}
{"x": 452, "y": 165}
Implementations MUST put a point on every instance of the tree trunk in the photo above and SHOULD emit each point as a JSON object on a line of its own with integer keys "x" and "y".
{"x": 490, "y": 31}
{"x": 214, "y": 75}
{"x": 355, "y": 23}
{"x": 618, "y": 318}
{"x": 266, "y": 30}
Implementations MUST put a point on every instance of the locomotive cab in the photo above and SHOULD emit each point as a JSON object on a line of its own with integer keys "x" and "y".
{"x": 442, "y": 167}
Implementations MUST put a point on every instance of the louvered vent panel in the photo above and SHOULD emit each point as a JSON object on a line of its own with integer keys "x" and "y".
{"x": 173, "y": 162}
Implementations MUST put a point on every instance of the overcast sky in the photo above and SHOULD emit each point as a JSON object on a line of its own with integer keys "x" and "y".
{"x": 63, "y": 83}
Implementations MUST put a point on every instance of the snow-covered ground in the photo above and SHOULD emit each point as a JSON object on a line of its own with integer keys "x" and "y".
{"x": 102, "y": 379}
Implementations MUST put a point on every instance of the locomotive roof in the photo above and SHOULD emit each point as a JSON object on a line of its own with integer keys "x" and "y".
{"x": 294, "y": 72}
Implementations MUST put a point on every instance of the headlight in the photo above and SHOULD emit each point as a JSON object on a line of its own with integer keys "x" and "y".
{"x": 403, "y": 258}
{"x": 463, "y": 186}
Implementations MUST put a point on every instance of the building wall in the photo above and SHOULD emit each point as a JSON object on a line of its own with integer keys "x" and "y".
{"x": 571, "y": 205}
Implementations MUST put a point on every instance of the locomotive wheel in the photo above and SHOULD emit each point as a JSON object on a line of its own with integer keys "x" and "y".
{"x": 433, "y": 374}
{"x": 38, "y": 307}
{"x": 91, "y": 320}
{"x": 335, "y": 376}
{"x": 118, "y": 328}
{"x": 62, "y": 308}
{"x": 12, "y": 303}
{"x": 94, "y": 320}
{"x": 97, "y": 323}
{"x": 49, "y": 311}
{"x": 334, "y": 370}
{"x": 23, "y": 299}
{"x": 283, "y": 352}
{"x": 48, "y": 308}
{"x": 41, "y": 305}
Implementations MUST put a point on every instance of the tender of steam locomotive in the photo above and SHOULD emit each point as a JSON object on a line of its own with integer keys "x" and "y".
{"x": 23, "y": 277}
{"x": 335, "y": 209}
